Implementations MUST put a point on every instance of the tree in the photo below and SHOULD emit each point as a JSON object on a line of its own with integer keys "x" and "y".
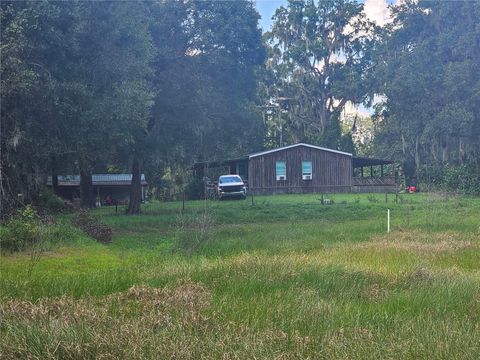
{"x": 112, "y": 64}
{"x": 321, "y": 58}
{"x": 208, "y": 55}
{"x": 74, "y": 83}
{"x": 427, "y": 67}
{"x": 86, "y": 85}
{"x": 28, "y": 118}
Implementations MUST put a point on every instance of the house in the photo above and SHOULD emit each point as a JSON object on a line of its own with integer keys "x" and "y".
{"x": 105, "y": 186}
{"x": 304, "y": 168}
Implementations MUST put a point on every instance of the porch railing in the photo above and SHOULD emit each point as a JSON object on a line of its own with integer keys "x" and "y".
{"x": 374, "y": 181}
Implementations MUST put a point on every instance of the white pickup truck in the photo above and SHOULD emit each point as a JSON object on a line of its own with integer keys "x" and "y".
{"x": 231, "y": 186}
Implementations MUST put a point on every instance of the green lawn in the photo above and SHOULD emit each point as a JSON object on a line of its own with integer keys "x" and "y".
{"x": 284, "y": 278}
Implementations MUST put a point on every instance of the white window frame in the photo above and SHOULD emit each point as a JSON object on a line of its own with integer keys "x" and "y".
{"x": 280, "y": 177}
{"x": 307, "y": 176}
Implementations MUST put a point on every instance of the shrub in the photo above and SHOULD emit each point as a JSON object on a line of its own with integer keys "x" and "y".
{"x": 463, "y": 179}
{"x": 21, "y": 231}
{"x": 47, "y": 201}
{"x": 195, "y": 189}
{"x": 100, "y": 232}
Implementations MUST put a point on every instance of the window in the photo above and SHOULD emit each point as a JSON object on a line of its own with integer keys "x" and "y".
{"x": 281, "y": 170}
{"x": 230, "y": 179}
{"x": 306, "y": 170}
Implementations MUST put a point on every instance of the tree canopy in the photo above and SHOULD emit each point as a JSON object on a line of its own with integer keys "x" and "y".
{"x": 428, "y": 69}
{"x": 320, "y": 58}
{"x": 89, "y": 85}
{"x": 155, "y": 86}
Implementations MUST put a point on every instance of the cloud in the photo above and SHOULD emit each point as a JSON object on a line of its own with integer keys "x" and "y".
{"x": 354, "y": 109}
{"x": 377, "y": 11}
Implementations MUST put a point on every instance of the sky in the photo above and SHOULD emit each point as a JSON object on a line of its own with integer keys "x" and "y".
{"x": 376, "y": 10}
{"x": 267, "y": 8}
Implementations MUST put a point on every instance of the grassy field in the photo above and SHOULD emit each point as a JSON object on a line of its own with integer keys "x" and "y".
{"x": 284, "y": 278}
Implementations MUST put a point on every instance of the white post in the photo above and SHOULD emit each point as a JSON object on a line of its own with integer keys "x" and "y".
{"x": 388, "y": 220}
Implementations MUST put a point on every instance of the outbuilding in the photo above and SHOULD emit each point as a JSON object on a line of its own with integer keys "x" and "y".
{"x": 304, "y": 168}
{"x": 108, "y": 188}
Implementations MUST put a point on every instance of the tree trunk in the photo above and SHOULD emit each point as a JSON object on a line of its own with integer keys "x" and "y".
{"x": 87, "y": 199}
{"x": 54, "y": 173}
{"x": 461, "y": 152}
{"x": 417, "y": 154}
{"x": 445, "y": 153}
{"x": 135, "y": 189}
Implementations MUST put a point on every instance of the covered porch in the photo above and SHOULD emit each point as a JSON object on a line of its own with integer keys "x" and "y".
{"x": 107, "y": 188}
{"x": 213, "y": 169}
{"x": 373, "y": 175}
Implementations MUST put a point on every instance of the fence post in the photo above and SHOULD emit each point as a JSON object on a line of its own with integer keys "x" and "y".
{"x": 388, "y": 220}
{"x": 183, "y": 201}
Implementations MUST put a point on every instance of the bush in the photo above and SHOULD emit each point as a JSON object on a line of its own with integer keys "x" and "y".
{"x": 195, "y": 189}
{"x": 464, "y": 179}
{"x": 47, "y": 201}
{"x": 21, "y": 231}
{"x": 100, "y": 232}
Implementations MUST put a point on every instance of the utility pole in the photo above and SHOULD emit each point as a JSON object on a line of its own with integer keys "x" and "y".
{"x": 276, "y": 104}
{"x": 280, "y": 128}
{"x": 279, "y": 101}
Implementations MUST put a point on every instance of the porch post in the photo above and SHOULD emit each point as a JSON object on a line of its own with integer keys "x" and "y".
{"x": 381, "y": 170}
{"x": 371, "y": 170}
{"x": 361, "y": 171}
{"x": 98, "y": 200}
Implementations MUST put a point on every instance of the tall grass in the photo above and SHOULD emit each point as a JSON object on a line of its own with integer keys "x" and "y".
{"x": 286, "y": 277}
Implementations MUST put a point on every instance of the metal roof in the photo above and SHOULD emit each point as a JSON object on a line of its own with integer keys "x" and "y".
{"x": 97, "y": 179}
{"x": 364, "y": 161}
{"x": 299, "y": 144}
{"x": 227, "y": 162}
{"x": 218, "y": 163}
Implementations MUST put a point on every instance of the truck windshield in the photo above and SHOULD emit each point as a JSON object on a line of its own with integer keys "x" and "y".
{"x": 230, "y": 179}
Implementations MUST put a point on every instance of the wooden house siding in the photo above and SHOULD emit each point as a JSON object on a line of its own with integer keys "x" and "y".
{"x": 331, "y": 171}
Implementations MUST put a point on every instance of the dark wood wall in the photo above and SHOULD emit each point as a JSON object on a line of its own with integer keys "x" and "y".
{"x": 331, "y": 172}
